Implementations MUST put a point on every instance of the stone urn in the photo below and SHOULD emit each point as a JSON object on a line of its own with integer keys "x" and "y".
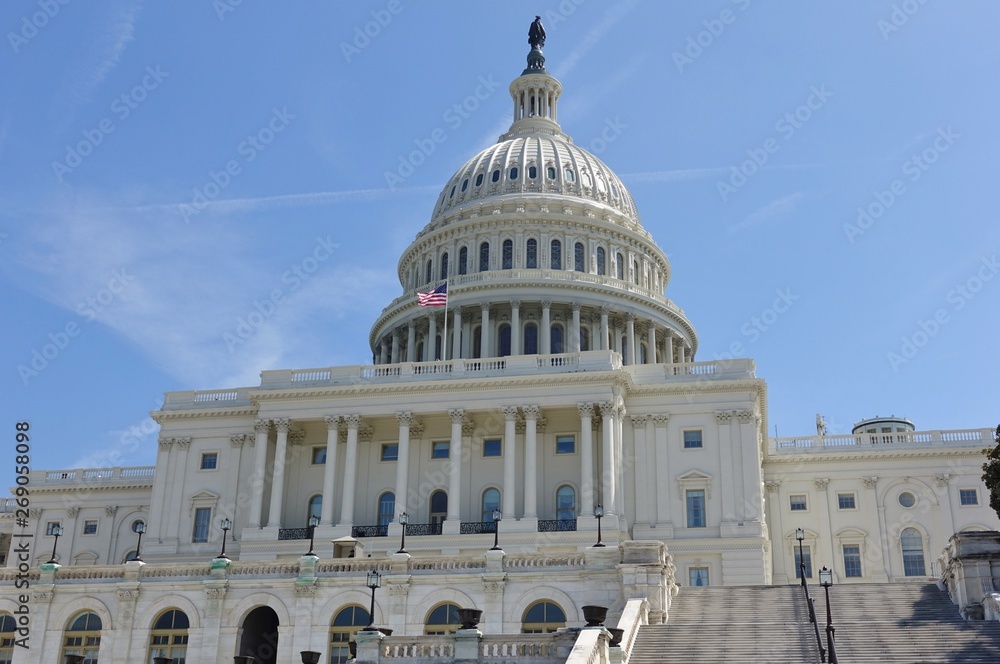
{"x": 595, "y": 615}
{"x": 616, "y": 636}
{"x": 310, "y": 657}
{"x": 352, "y": 649}
{"x": 469, "y": 618}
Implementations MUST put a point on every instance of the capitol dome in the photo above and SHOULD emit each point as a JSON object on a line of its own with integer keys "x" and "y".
{"x": 542, "y": 251}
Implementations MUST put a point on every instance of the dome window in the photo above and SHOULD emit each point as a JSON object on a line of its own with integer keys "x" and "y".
{"x": 479, "y": 179}
{"x": 587, "y": 182}
{"x": 452, "y": 194}
{"x": 555, "y": 255}
{"x": 601, "y": 262}
{"x": 614, "y": 192}
{"x": 601, "y": 187}
{"x": 508, "y": 255}
{"x": 578, "y": 257}
{"x": 463, "y": 260}
{"x": 496, "y": 175}
{"x": 465, "y": 184}
{"x": 620, "y": 269}
{"x": 484, "y": 257}
{"x": 531, "y": 254}
{"x": 513, "y": 173}
{"x": 551, "y": 172}
{"x": 570, "y": 176}
{"x": 444, "y": 265}
{"x": 532, "y": 172}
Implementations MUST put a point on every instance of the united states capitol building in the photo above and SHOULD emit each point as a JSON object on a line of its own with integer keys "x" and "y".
{"x": 557, "y": 383}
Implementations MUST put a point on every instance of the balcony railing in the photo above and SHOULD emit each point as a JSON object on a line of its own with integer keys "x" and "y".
{"x": 419, "y": 529}
{"x": 557, "y": 526}
{"x": 478, "y": 527}
{"x": 873, "y": 440}
{"x": 370, "y": 531}
{"x": 98, "y": 475}
{"x": 293, "y": 533}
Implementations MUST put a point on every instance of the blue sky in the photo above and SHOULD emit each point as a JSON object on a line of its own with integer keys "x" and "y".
{"x": 821, "y": 176}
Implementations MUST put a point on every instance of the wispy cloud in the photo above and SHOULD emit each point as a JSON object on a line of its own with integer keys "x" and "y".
{"x": 773, "y": 210}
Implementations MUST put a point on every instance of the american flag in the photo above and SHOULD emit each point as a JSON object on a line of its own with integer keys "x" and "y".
{"x": 436, "y": 298}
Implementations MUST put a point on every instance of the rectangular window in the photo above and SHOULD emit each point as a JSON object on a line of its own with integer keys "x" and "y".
{"x": 697, "y": 576}
{"x": 692, "y": 440}
{"x": 492, "y": 447}
{"x": 209, "y": 460}
{"x": 439, "y": 449}
{"x": 797, "y": 503}
{"x": 318, "y": 456}
{"x": 696, "y": 508}
{"x": 806, "y": 558}
{"x": 969, "y": 496}
{"x": 390, "y": 451}
{"x": 202, "y": 519}
{"x": 50, "y": 527}
{"x": 852, "y": 560}
{"x": 845, "y": 501}
{"x": 565, "y": 444}
{"x": 90, "y": 527}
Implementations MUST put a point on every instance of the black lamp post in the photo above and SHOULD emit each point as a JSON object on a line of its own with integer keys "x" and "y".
{"x": 374, "y": 581}
{"x": 140, "y": 528}
{"x": 497, "y": 515}
{"x": 599, "y": 514}
{"x": 226, "y": 525}
{"x": 404, "y": 519}
{"x": 801, "y": 535}
{"x": 826, "y": 580}
{"x": 313, "y": 522}
{"x": 56, "y": 532}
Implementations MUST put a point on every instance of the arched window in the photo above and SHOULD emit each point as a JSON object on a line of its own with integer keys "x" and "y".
{"x": 484, "y": 256}
{"x": 491, "y": 501}
{"x": 444, "y": 265}
{"x": 620, "y": 266}
{"x": 555, "y": 255}
{"x": 315, "y": 506}
{"x": 530, "y": 339}
{"x": 386, "y": 508}
{"x": 169, "y": 636}
{"x": 345, "y": 625}
{"x": 584, "y": 338}
{"x": 556, "y": 339}
{"x": 496, "y": 175}
{"x": 635, "y": 272}
{"x": 570, "y": 176}
{"x": 439, "y": 507}
{"x": 600, "y": 261}
{"x": 452, "y": 194}
{"x": 430, "y": 273}
{"x": 479, "y": 179}
{"x": 578, "y": 257}
{"x": 913, "y": 552}
{"x": 543, "y": 617}
{"x": 566, "y": 503}
{"x": 128, "y": 556}
{"x": 532, "y": 172}
{"x": 551, "y": 172}
{"x": 443, "y": 619}
{"x": 531, "y": 254}
{"x": 477, "y": 341}
{"x": 508, "y": 255}
{"x": 83, "y": 637}
{"x": 513, "y": 173}
{"x": 504, "y": 342}
{"x": 465, "y": 184}
{"x": 463, "y": 260}
{"x": 8, "y": 628}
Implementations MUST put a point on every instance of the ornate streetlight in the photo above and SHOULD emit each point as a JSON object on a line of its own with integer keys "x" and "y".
{"x": 374, "y": 581}
{"x": 140, "y": 528}
{"x": 826, "y": 580}
{"x": 497, "y": 515}
{"x": 801, "y": 535}
{"x": 226, "y": 525}
{"x": 404, "y": 519}
{"x": 56, "y": 532}
{"x": 599, "y": 514}
{"x": 313, "y": 522}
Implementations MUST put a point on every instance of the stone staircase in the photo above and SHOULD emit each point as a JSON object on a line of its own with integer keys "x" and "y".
{"x": 890, "y": 623}
{"x": 746, "y": 624}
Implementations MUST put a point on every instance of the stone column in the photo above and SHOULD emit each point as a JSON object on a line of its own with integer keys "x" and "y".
{"x": 456, "y": 334}
{"x": 261, "y": 429}
{"x": 350, "y": 470}
{"x": 727, "y": 485}
{"x": 752, "y": 476}
{"x": 545, "y": 330}
{"x": 515, "y": 328}
{"x": 395, "y": 348}
{"x": 509, "y": 456}
{"x": 330, "y": 469}
{"x": 651, "y": 343}
{"x": 668, "y": 346}
{"x": 432, "y": 325}
{"x": 160, "y": 485}
{"x": 630, "y": 332}
{"x": 411, "y": 342}
{"x": 467, "y": 335}
{"x": 620, "y": 457}
{"x": 457, "y": 416}
{"x": 586, "y": 459}
{"x": 278, "y": 474}
{"x": 604, "y": 330}
{"x": 780, "y": 544}
{"x": 179, "y": 479}
{"x": 574, "y": 338}
{"x": 530, "y": 461}
{"x": 484, "y": 332}
{"x": 641, "y": 441}
{"x": 608, "y": 412}
{"x": 405, "y": 419}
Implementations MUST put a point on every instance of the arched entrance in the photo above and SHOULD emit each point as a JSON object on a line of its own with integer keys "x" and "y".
{"x": 260, "y": 635}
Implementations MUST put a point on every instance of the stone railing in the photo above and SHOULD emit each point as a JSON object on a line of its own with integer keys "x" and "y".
{"x": 231, "y": 398}
{"x": 89, "y": 476}
{"x": 968, "y": 571}
{"x": 635, "y": 615}
{"x": 875, "y": 441}
{"x": 467, "y": 646}
{"x": 591, "y": 647}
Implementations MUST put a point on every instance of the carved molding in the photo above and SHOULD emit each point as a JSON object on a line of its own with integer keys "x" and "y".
{"x": 42, "y": 597}
{"x": 586, "y": 409}
{"x": 128, "y": 595}
{"x": 215, "y": 593}
{"x": 639, "y": 421}
{"x": 296, "y": 437}
{"x": 332, "y": 421}
{"x": 870, "y": 482}
{"x": 352, "y": 421}
{"x": 405, "y": 418}
{"x": 305, "y": 590}
{"x": 821, "y": 483}
{"x": 509, "y": 413}
{"x": 723, "y": 416}
{"x": 365, "y": 433}
{"x": 282, "y": 424}
{"x": 110, "y": 510}
{"x": 398, "y": 589}
{"x": 165, "y": 443}
{"x": 468, "y": 428}
{"x": 772, "y": 486}
{"x": 262, "y": 426}
{"x": 457, "y": 415}
{"x": 183, "y": 443}
{"x": 531, "y": 412}
{"x": 494, "y": 587}
{"x": 73, "y": 511}
{"x": 942, "y": 479}
{"x": 608, "y": 409}
{"x": 34, "y": 512}
{"x": 416, "y": 430}
{"x": 661, "y": 420}
{"x": 746, "y": 416}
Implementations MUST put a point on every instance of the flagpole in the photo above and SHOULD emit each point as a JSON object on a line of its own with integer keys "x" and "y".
{"x": 444, "y": 339}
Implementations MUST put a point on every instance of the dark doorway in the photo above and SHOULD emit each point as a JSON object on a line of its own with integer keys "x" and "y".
{"x": 260, "y": 635}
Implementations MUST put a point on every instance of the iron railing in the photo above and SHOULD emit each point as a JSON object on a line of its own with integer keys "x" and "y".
{"x": 478, "y": 527}
{"x": 370, "y": 531}
{"x": 423, "y": 529}
{"x": 293, "y": 533}
{"x": 557, "y": 526}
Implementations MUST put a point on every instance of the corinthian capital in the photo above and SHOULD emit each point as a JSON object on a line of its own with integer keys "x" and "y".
{"x": 404, "y": 417}
{"x": 332, "y": 421}
{"x": 262, "y": 426}
{"x": 457, "y": 415}
{"x": 586, "y": 409}
{"x": 530, "y": 412}
{"x": 608, "y": 408}
{"x": 509, "y": 413}
{"x": 282, "y": 424}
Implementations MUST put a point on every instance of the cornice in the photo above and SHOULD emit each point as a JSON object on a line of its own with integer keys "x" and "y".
{"x": 869, "y": 455}
{"x": 160, "y": 416}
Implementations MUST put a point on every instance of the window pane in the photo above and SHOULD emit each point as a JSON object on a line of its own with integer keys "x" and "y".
{"x": 531, "y": 254}
{"x": 315, "y": 506}
{"x": 692, "y": 439}
{"x": 798, "y": 503}
{"x": 969, "y": 496}
{"x": 530, "y": 339}
{"x": 508, "y": 255}
{"x": 444, "y": 265}
{"x": 566, "y": 503}
{"x": 806, "y": 558}
{"x": 484, "y": 257}
{"x": 698, "y": 576}
{"x": 696, "y": 508}
{"x": 578, "y": 257}
{"x": 202, "y": 518}
{"x": 556, "y": 339}
{"x": 565, "y": 444}
{"x": 555, "y": 255}
{"x": 463, "y": 260}
{"x": 439, "y": 449}
{"x": 600, "y": 260}
{"x": 491, "y": 501}
{"x": 492, "y": 447}
{"x": 319, "y": 455}
{"x": 386, "y": 508}
{"x": 845, "y": 501}
{"x": 913, "y": 552}
{"x": 209, "y": 460}
{"x": 852, "y": 560}
{"x": 390, "y": 451}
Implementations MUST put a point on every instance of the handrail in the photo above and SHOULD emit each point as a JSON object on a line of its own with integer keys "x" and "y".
{"x": 812, "y": 607}
{"x": 831, "y": 645}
